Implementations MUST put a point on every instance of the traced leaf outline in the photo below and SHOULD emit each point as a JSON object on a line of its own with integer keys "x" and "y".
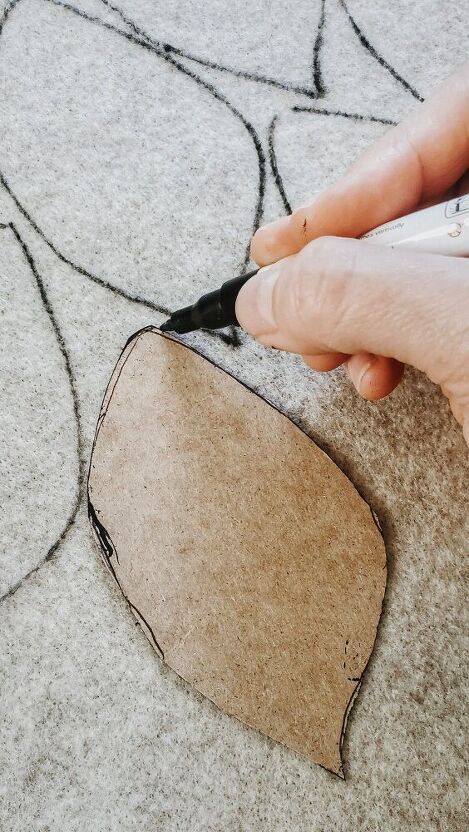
{"x": 145, "y": 42}
{"x": 376, "y": 55}
{"x": 164, "y": 51}
{"x": 317, "y": 48}
{"x": 276, "y": 173}
{"x": 274, "y": 166}
{"x": 76, "y": 410}
{"x": 108, "y": 549}
{"x": 318, "y": 92}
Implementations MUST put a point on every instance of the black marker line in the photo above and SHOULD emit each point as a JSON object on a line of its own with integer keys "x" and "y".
{"x": 76, "y": 411}
{"x": 231, "y": 338}
{"x": 225, "y": 337}
{"x": 239, "y": 73}
{"x": 322, "y": 111}
{"x": 6, "y": 12}
{"x": 317, "y": 50}
{"x": 108, "y": 550}
{"x": 81, "y": 271}
{"x": 377, "y": 56}
{"x": 148, "y": 626}
{"x": 274, "y": 167}
{"x": 255, "y": 139}
{"x": 208, "y": 64}
{"x": 156, "y": 47}
{"x": 357, "y": 117}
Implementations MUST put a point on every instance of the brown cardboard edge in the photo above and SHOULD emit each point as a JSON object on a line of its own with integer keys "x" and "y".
{"x": 100, "y": 534}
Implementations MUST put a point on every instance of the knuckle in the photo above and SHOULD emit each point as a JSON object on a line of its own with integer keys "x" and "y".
{"x": 322, "y": 287}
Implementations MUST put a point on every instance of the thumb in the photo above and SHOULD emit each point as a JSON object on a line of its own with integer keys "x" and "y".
{"x": 351, "y": 296}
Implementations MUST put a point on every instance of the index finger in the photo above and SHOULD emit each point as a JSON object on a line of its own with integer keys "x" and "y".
{"x": 413, "y": 162}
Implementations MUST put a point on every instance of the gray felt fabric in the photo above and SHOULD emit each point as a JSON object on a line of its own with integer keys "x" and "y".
{"x": 128, "y": 186}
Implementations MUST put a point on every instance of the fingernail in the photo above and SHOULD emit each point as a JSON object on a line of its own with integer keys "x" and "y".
{"x": 270, "y": 228}
{"x": 266, "y": 239}
{"x": 254, "y": 304}
{"x": 358, "y": 372}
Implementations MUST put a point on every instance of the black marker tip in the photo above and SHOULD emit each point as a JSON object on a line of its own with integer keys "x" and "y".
{"x": 166, "y": 326}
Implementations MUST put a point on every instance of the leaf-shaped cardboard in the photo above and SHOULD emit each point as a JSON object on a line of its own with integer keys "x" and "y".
{"x": 248, "y": 557}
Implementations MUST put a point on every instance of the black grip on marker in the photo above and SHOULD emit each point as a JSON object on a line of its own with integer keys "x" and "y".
{"x": 228, "y": 294}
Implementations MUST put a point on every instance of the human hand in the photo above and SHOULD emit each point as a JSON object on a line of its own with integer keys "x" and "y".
{"x": 336, "y": 301}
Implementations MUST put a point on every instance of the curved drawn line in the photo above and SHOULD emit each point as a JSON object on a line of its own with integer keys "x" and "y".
{"x": 274, "y": 167}
{"x": 377, "y": 56}
{"x": 136, "y": 611}
{"x": 83, "y": 272}
{"x": 317, "y": 49}
{"x": 256, "y": 141}
{"x": 107, "y": 549}
{"x": 6, "y": 12}
{"x": 323, "y": 112}
{"x": 238, "y": 73}
{"x": 225, "y": 337}
{"x": 76, "y": 410}
{"x": 232, "y": 337}
{"x": 155, "y": 46}
{"x": 354, "y": 116}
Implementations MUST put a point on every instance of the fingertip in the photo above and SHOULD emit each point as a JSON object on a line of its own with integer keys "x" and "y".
{"x": 270, "y": 242}
{"x": 324, "y": 363}
{"x": 373, "y": 376}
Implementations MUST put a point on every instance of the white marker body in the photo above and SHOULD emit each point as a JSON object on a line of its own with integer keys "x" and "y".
{"x": 440, "y": 229}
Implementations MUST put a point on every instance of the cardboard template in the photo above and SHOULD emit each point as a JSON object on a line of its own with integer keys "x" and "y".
{"x": 252, "y": 563}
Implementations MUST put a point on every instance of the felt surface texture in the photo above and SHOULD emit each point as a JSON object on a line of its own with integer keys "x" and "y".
{"x": 139, "y": 149}
{"x": 253, "y": 565}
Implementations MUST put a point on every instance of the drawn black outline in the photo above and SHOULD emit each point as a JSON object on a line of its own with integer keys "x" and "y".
{"x": 274, "y": 166}
{"x": 323, "y": 111}
{"x": 276, "y": 174}
{"x": 232, "y": 337}
{"x": 208, "y": 64}
{"x": 162, "y": 50}
{"x": 377, "y": 56}
{"x": 76, "y": 411}
{"x": 317, "y": 73}
{"x": 318, "y": 82}
{"x": 317, "y": 49}
{"x": 108, "y": 551}
{"x": 107, "y": 547}
{"x": 147, "y": 43}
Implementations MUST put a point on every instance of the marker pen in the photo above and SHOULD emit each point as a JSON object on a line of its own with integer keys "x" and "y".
{"x": 440, "y": 229}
